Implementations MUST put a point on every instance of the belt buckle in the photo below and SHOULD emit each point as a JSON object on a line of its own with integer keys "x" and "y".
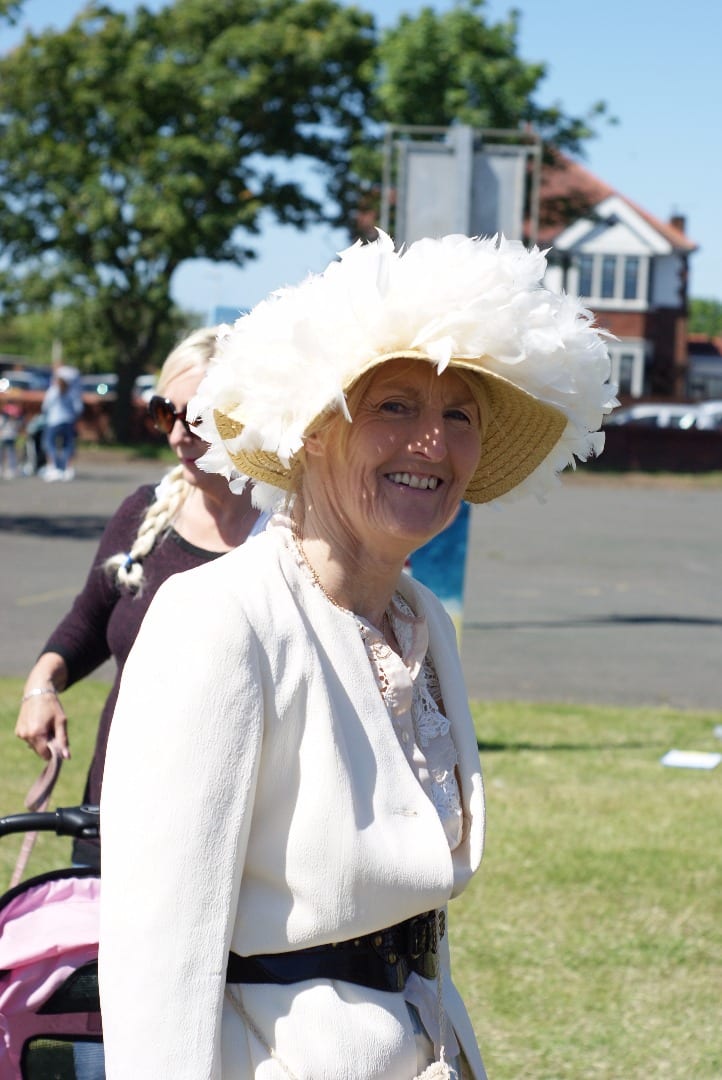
{"x": 389, "y": 947}
{"x": 418, "y": 934}
{"x": 423, "y": 944}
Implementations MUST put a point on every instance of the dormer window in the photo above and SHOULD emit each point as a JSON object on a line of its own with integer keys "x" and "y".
{"x": 586, "y": 271}
{"x": 611, "y": 279}
{"x": 631, "y": 277}
{"x": 609, "y": 272}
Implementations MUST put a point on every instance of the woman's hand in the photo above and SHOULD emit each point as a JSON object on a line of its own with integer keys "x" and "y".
{"x": 42, "y": 718}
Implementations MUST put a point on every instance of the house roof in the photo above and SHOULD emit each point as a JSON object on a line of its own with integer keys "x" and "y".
{"x": 566, "y": 181}
{"x": 704, "y": 345}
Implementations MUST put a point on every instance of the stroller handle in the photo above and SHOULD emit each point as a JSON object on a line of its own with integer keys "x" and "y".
{"x": 78, "y": 821}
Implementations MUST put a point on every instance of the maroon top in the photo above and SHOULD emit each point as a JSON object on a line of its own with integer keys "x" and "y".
{"x": 104, "y": 620}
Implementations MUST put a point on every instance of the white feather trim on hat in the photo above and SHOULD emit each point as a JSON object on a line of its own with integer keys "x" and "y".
{"x": 293, "y": 356}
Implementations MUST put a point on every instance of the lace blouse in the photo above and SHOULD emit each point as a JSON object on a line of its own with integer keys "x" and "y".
{"x": 410, "y": 688}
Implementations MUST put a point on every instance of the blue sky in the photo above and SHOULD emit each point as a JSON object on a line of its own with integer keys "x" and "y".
{"x": 656, "y": 65}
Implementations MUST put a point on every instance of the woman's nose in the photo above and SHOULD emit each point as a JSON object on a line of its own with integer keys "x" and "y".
{"x": 429, "y": 439}
{"x": 177, "y": 433}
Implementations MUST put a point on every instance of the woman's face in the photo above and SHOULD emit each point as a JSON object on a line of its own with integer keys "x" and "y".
{"x": 396, "y": 475}
{"x": 187, "y": 447}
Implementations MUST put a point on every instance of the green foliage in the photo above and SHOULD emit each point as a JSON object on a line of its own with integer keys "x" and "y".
{"x": 437, "y": 69}
{"x": 128, "y": 145}
{"x": 705, "y": 317}
{"x": 441, "y": 68}
{"x": 31, "y": 335}
{"x": 10, "y": 10}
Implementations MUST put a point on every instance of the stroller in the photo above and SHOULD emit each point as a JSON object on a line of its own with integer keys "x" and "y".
{"x": 50, "y": 1027}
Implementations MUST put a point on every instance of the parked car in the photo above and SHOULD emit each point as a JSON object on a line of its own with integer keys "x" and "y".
{"x": 655, "y": 415}
{"x": 15, "y": 380}
{"x": 144, "y": 387}
{"x": 102, "y": 385}
{"x": 27, "y": 379}
{"x": 106, "y": 385}
{"x": 708, "y": 415}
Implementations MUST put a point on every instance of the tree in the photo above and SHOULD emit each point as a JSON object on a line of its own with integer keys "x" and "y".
{"x": 705, "y": 317}
{"x": 9, "y": 10}
{"x": 442, "y": 68}
{"x": 130, "y": 144}
{"x": 455, "y": 67}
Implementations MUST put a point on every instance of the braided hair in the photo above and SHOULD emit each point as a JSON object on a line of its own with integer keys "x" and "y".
{"x": 126, "y": 567}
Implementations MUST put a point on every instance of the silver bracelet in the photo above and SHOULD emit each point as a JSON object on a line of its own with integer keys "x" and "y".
{"x": 37, "y": 691}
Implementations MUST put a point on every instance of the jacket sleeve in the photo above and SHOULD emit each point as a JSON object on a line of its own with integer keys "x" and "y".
{"x": 80, "y": 637}
{"x": 178, "y": 791}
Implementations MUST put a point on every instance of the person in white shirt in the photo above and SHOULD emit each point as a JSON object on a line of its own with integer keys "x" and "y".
{"x": 62, "y": 407}
{"x": 307, "y": 794}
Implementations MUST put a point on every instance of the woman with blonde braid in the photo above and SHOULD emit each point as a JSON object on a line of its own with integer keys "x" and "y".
{"x": 190, "y": 518}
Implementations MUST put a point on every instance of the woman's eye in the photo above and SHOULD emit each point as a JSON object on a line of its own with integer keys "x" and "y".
{"x": 394, "y": 407}
{"x": 458, "y": 414}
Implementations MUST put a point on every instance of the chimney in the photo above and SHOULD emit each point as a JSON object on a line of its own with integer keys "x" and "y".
{"x": 679, "y": 222}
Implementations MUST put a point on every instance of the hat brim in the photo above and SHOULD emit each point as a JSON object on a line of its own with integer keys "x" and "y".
{"x": 520, "y": 433}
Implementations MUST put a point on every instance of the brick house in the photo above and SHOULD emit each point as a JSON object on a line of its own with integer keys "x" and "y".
{"x": 630, "y": 268}
{"x": 705, "y": 367}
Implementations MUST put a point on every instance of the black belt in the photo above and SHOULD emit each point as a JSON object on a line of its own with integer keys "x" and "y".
{"x": 382, "y": 960}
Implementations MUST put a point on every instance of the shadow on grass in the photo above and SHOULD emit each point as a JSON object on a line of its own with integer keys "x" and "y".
{"x": 518, "y": 747}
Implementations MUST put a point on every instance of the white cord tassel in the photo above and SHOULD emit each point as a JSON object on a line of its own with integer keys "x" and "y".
{"x": 438, "y": 1071}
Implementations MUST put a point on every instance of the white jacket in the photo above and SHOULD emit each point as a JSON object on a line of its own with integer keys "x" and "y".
{"x": 256, "y": 798}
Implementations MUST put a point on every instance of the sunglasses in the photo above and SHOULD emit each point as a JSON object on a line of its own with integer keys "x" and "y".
{"x": 163, "y": 415}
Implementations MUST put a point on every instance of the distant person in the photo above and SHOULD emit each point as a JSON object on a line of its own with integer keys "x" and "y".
{"x": 34, "y": 454}
{"x": 190, "y": 518}
{"x": 11, "y": 426}
{"x": 307, "y": 795}
{"x": 62, "y": 407}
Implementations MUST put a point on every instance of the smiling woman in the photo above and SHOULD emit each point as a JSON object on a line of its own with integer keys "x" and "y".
{"x": 408, "y": 457}
{"x": 309, "y": 796}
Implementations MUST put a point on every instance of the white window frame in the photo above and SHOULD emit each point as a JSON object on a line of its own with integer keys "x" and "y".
{"x": 635, "y": 350}
{"x": 617, "y": 300}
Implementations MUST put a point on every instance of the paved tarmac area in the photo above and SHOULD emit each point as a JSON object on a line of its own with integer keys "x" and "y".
{"x": 48, "y": 536}
{"x": 611, "y": 592}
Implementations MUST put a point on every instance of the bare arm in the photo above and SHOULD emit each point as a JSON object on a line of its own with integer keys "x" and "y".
{"x": 41, "y": 717}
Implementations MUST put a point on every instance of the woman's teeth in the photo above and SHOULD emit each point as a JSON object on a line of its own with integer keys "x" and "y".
{"x": 410, "y": 480}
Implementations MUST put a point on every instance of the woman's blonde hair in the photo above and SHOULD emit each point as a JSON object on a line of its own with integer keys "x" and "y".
{"x": 193, "y": 353}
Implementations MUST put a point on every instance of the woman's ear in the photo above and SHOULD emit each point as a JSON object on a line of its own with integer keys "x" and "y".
{"x": 315, "y": 443}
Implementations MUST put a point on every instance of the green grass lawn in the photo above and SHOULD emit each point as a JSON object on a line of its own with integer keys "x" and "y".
{"x": 20, "y": 767}
{"x": 590, "y": 943}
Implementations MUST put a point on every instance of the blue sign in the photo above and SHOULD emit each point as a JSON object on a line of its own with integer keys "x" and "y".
{"x": 441, "y": 565}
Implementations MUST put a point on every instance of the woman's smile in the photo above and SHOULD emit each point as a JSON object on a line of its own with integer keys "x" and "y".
{"x": 413, "y": 480}
{"x": 405, "y": 459}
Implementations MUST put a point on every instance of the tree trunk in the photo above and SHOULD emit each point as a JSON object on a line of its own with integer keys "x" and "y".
{"x": 125, "y": 409}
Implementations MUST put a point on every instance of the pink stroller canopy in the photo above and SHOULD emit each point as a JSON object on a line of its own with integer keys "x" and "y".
{"x": 48, "y": 930}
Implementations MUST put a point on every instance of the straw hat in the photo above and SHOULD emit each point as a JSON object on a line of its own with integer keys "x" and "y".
{"x": 476, "y": 304}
